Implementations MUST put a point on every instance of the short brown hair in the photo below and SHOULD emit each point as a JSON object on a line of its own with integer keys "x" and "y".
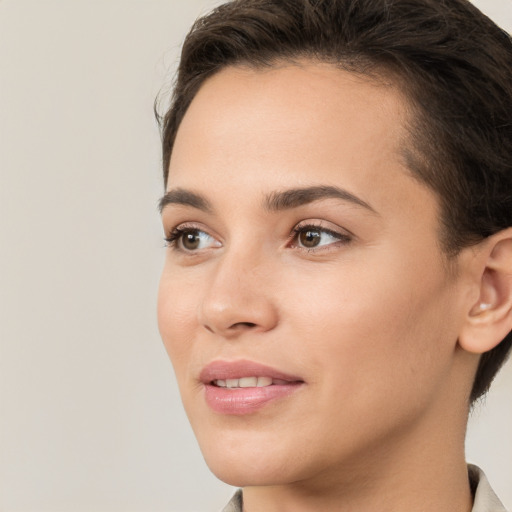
{"x": 454, "y": 64}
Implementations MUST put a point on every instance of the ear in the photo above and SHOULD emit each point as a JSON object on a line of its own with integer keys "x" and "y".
{"x": 489, "y": 319}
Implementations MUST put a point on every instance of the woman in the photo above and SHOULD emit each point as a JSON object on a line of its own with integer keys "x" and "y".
{"x": 337, "y": 290}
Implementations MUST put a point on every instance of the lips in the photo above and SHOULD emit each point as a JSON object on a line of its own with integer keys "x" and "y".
{"x": 244, "y": 387}
{"x": 224, "y": 370}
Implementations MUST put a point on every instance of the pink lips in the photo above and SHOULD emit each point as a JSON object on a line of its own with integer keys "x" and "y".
{"x": 244, "y": 400}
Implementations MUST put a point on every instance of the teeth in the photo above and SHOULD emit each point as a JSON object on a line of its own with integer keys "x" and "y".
{"x": 245, "y": 382}
{"x": 248, "y": 382}
{"x": 264, "y": 381}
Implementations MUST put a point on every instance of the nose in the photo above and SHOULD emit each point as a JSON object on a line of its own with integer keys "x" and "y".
{"x": 239, "y": 298}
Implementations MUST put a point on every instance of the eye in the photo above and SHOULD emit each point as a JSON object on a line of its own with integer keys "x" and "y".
{"x": 314, "y": 237}
{"x": 190, "y": 239}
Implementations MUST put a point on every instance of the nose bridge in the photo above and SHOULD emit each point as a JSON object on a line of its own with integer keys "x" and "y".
{"x": 239, "y": 295}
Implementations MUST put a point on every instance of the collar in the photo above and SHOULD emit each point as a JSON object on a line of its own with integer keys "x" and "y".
{"x": 485, "y": 499}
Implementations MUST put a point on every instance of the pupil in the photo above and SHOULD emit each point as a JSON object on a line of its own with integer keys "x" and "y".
{"x": 310, "y": 238}
{"x": 191, "y": 240}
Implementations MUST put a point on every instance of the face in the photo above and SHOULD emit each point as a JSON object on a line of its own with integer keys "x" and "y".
{"x": 304, "y": 300}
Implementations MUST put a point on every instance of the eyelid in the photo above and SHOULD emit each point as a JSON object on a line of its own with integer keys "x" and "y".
{"x": 173, "y": 236}
{"x": 342, "y": 236}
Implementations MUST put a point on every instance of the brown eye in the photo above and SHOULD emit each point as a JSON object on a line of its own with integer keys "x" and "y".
{"x": 190, "y": 240}
{"x": 316, "y": 237}
{"x": 309, "y": 238}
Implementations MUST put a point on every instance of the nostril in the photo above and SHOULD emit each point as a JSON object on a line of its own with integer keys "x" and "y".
{"x": 234, "y": 327}
{"x": 244, "y": 324}
{"x": 237, "y": 327}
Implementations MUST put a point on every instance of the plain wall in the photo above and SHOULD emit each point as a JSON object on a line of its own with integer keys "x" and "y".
{"x": 90, "y": 417}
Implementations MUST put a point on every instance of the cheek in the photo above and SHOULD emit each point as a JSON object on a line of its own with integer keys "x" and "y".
{"x": 176, "y": 317}
{"x": 374, "y": 327}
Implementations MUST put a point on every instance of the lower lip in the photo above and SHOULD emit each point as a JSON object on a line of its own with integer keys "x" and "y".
{"x": 239, "y": 401}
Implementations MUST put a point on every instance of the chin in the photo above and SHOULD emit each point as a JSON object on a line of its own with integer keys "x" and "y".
{"x": 243, "y": 472}
{"x": 241, "y": 461}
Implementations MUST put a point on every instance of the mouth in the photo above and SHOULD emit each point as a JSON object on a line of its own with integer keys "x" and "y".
{"x": 244, "y": 387}
{"x": 249, "y": 382}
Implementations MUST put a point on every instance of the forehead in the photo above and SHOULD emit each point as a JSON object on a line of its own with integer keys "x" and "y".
{"x": 251, "y": 132}
{"x": 288, "y": 111}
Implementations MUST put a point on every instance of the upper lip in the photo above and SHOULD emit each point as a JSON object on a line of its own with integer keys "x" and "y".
{"x": 222, "y": 370}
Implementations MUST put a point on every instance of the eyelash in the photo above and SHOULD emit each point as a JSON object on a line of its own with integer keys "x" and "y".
{"x": 342, "y": 238}
{"x": 175, "y": 236}
{"x": 177, "y": 233}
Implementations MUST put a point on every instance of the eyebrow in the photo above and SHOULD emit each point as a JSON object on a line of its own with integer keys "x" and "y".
{"x": 275, "y": 201}
{"x": 184, "y": 197}
{"x": 295, "y": 197}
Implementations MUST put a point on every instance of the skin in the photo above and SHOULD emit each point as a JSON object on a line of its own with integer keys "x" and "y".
{"x": 370, "y": 319}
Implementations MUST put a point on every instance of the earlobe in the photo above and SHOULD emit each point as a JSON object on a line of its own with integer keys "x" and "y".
{"x": 489, "y": 319}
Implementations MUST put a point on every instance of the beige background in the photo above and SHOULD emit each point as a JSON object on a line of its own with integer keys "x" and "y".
{"x": 90, "y": 418}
